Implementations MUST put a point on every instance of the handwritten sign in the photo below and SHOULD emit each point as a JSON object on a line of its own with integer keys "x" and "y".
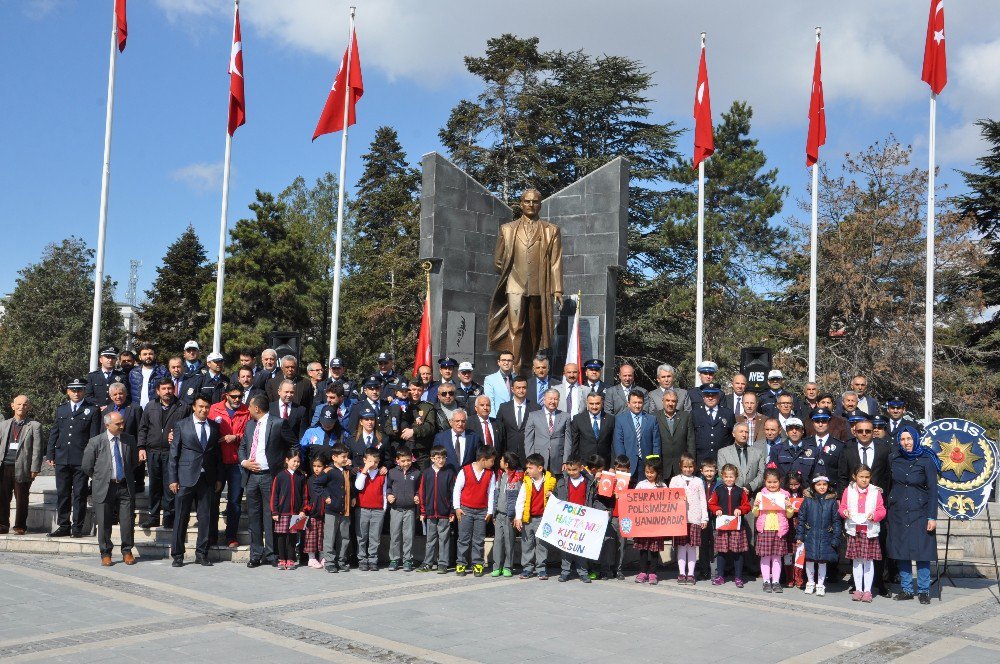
{"x": 652, "y": 512}
{"x": 573, "y": 528}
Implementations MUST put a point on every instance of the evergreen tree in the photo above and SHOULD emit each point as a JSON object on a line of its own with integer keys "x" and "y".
{"x": 172, "y": 313}
{"x": 45, "y": 330}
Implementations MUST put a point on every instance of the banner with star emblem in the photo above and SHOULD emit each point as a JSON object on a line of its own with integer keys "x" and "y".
{"x": 969, "y": 466}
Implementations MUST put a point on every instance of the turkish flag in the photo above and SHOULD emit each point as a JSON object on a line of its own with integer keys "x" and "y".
{"x": 704, "y": 143}
{"x": 935, "y": 72}
{"x": 333, "y": 113}
{"x": 817, "y": 115}
{"x": 423, "y": 354}
{"x": 237, "y": 101}
{"x": 122, "y": 24}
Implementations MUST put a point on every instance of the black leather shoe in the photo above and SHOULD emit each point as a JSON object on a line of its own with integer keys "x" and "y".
{"x": 149, "y": 522}
{"x": 168, "y": 524}
{"x": 60, "y": 532}
{"x": 178, "y": 562}
{"x": 883, "y": 592}
{"x": 924, "y": 598}
{"x": 204, "y": 562}
{"x": 252, "y": 563}
{"x": 77, "y": 534}
{"x": 903, "y": 596}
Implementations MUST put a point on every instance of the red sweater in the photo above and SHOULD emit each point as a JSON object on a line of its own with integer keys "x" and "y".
{"x": 370, "y": 497}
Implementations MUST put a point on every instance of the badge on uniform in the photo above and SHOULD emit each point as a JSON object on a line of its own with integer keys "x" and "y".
{"x": 86, "y": 411}
{"x": 313, "y": 439}
{"x": 809, "y": 453}
{"x": 190, "y": 391}
{"x": 218, "y": 419}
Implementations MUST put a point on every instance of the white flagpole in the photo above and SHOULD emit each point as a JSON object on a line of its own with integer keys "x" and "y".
{"x": 700, "y": 285}
{"x": 335, "y": 312}
{"x": 929, "y": 295}
{"x": 813, "y": 258}
{"x": 95, "y": 329}
{"x": 220, "y": 277}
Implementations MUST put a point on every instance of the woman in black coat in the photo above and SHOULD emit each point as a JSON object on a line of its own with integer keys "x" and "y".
{"x": 912, "y": 511}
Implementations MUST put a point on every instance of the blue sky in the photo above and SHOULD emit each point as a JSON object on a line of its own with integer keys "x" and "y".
{"x": 170, "y": 113}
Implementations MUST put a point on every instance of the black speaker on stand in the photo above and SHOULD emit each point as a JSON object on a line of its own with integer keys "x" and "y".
{"x": 754, "y": 364}
{"x": 285, "y": 343}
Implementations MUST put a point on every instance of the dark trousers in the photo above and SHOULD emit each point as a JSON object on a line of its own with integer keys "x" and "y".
{"x": 71, "y": 489}
{"x": 201, "y": 496}
{"x": 121, "y": 504}
{"x": 160, "y": 495}
{"x": 259, "y": 522}
{"x": 20, "y": 491}
{"x": 232, "y": 478}
{"x": 706, "y": 552}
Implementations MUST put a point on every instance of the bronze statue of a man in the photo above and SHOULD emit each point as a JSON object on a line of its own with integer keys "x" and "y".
{"x": 528, "y": 257}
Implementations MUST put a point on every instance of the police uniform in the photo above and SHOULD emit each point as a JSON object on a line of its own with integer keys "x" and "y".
{"x": 204, "y": 384}
{"x": 794, "y": 458}
{"x": 98, "y": 381}
{"x": 466, "y": 395}
{"x": 829, "y": 452}
{"x": 711, "y": 434}
{"x": 67, "y": 440}
{"x": 599, "y": 386}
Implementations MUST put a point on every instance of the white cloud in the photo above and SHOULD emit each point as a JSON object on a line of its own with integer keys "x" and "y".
{"x": 201, "y": 177}
{"x": 39, "y": 9}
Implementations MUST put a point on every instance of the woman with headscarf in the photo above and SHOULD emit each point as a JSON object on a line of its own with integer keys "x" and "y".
{"x": 912, "y": 512}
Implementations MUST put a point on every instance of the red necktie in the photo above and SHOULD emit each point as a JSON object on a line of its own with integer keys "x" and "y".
{"x": 487, "y": 434}
{"x": 284, "y": 411}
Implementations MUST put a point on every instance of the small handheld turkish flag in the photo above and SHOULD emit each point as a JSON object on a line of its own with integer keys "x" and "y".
{"x": 817, "y": 115}
{"x": 935, "y": 72}
{"x": 704, "y": 143}
{"x": 122, "y": 24}
{"x": 348, "y": 83}
{"x": 237, "y": 101}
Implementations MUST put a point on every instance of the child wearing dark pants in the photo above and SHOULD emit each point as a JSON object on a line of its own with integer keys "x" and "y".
{"x": 575, "y": 487}
{"x": 730, "y": 545}
{"x": 289, "y": 497}
{"x": 436, "y": 510}
{"x": 703, "y": 568}
{"x": 613, "y": 552}
{"x": 473, "y": 500}
{"x": 337, "y": 523}
{"x": 531, "y": 498}
{"x": 370, "y": 484}
{"x": 401, "y": 486}
{"x": 649, "y": 548}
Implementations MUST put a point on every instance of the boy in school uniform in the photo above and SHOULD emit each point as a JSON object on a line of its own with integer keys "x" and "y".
{"x": 577, "y": 487}
{"x": 370, "y": 484}
{"x": 473, "y": 501}
{"x": 613, "y": 553}
{"x": 531, "y": 499}
{"x": 706, "y": 551}
{"x": 436, "y": 486}
{"x": 401, "y": 485}
{"x": 337, "y": 522}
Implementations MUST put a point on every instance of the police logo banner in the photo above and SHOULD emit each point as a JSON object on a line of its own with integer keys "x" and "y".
{"x": 969, "y": 466}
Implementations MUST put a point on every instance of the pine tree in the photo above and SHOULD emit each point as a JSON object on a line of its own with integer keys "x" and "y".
{"x": 172, "y": 313}
{"x": 45, "y": 330}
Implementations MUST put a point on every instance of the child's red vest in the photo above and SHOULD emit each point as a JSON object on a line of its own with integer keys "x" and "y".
{"x": 475, "y": 493}
{"x": 370, "y": 497}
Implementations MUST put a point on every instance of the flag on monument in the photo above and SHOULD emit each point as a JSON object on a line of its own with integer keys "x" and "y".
{"x": 935, "y": 72}
{"x": 237, "y": 101}
{"x": 347, "y": 83}
{"x": 573, "y": 355}
{"x": 704, "y": 143}
{"x": 122, "y": 24}
{"x": 423, "y": 354}
{"x": 817, "y": 115}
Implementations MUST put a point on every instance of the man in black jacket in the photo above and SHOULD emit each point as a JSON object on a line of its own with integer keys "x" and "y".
{"x": 593, "y": 431}
{"x": 513, "y": 415}
{"x": 195, "y": 457}
{"x": 76, "y": 422}
{"x": 158, "y": 420}
{"x": 261, "y": 457}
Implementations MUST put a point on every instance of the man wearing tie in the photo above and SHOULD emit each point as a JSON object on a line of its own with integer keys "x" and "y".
{"x": 285, "y": 408}
{"x": 184, "y": 386}
{"x": 497, "y": 386}
{"x": 76, "y": 422}
{"x": 592, "y": 432}
{"x": 513, "y": 415}
{"x": 676, "y": 434}
{"x": 637, "y": 435}
{"x": 713, "y": 424}
{"x": 460, "y": 444}
{"x": 99, "y": 381}
{"x": 109, "y": 461}
{"x": 489, "y": 430}
{"x": 896, "y": 407}
{"x": 547, "y": 433}
{"x": 540, "y": 380}
{"x": 195, "y": 458}
{"x": 616, "y": 398}
{"x": 734, "y": 401}
{"x": 572, "y": 395}
{"x": 261, "y": 456}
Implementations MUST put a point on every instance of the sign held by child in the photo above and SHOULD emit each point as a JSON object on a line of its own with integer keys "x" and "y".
{"x": 573, "y": 528}
{"x": 653, "y": 512}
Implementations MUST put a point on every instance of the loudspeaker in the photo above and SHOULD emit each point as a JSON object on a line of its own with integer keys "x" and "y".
{"x": 755, "y": 363}
{"x": 285, "y": 343}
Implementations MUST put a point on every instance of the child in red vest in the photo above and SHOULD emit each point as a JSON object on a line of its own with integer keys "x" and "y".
{"x": 289, "y": 497}
{"x": 473, "y": 501}
{"x": 370, "y": 484}
{"x": 538, "y": 484}
{"x": 577, "y": 487}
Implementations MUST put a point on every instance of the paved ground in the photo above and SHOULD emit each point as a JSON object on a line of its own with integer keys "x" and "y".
{"x": 70, "y": 609}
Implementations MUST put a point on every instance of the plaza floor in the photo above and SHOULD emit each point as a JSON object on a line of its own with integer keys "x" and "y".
{"x": 70, "y": 609}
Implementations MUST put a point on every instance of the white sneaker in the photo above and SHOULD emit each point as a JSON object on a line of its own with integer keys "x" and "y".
{"x": 820, "y": 591}
{"x": 810, "y": 587}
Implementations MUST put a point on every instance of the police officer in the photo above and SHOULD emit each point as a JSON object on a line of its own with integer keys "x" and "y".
{"x": 880, "y": 428}
{"x": 337, "y": 375}
{"x": 828, "y": 447}
{"x": 99, "y": 381}
{"x": 467, "y": 389}
{"x": 446, "y": 369}
{"x": 592, "y": 376}
{"x": 713, "y": 423}
{"x": 898, "y": 417}
{"x": 792, "y": 455}
{"x": 192, "y": 361}
{"x": 321, "y": 438}
{"x": 706, "y": 374}
{"x": 397, "y": 417}
{"x": 371, "y": 388}
{"x": 211, "y": 383}
{"x": 76, "y": 422}
{"x": 769, "y": 398}
{"x": 387, "y": 376}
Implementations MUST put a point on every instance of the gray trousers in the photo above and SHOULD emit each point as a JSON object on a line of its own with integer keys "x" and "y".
{"x": 613, "y": 552}
{"x": 402, "y": 521}
{"x": 438, "y": 539}
{"x": 369, "y": 534}
{"x": 569, "y": 561}
{"x": 503, "y": 541}
{"x": 472, "y": 532}
{"x": 259, "y": 523}
{"x": 336, "y": 539}
{"x": 533, "y": 550}
{"x": 118, "y": 502}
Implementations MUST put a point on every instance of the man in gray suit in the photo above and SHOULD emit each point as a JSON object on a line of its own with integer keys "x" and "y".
{"x": 749, "y": 460}
{"x": 109, "y": 461}
{"x": 572, "y": 395}
{"x": 20, "y": 463}
{"x": 676, "y": 435}
{"x": 616, "y": 398}
{"x": 665, "y": 381}
{"x": 547, "y": 433}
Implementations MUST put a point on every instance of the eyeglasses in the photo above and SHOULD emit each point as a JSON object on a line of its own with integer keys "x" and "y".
{"x": 235, "y": 395}
{"x": 446, "y": 394}
{"x": 862, "y": 431}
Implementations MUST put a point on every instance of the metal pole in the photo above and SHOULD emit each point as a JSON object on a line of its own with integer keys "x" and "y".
{"x": 813, "y": 259}
{"x": 699, "y": 324}
{"x": 929, "y": 294}
{"x": 95, "y": 329}
{"x": 220, "y": 279}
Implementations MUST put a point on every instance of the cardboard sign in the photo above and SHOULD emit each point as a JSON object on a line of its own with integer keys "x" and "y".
{"x": 727, "y": 522}
{"x": 772, "y": 502}
{"x": 573, "y": 528}
{"x": 652, "y": 512}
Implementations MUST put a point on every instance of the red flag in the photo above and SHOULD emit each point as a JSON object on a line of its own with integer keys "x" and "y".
{"x": 935, "y": 72}
{"x": 817, "y": 115}
{"x": 333, "y": 113}
{"x": 122, "y": 23}
{"x": 237, "y": 101}
{"x": 423, "y": 354}
{"x": 704, "y": 143}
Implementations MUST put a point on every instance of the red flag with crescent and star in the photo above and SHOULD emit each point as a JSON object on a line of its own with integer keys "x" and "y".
{"x": 347, "y": 83}
{"x": 704, "y": 143}
{"x": 817, "y": 115}
{"x": 121, "y": 23}
{"x": 935, "y": 72}
{"x": 237, "y": 100}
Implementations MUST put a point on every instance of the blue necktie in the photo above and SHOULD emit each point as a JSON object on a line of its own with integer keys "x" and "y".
{"x": 597, "y": 428}
{"x": 638, "y": 429}
{"x": 117, "y": 455}
{"x": 203, "y": 436}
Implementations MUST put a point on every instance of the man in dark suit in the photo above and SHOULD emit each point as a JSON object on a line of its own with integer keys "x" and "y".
{"x": 286, "y": 408}
{"x": 592, "y": 371}
{"x": 676, "y": 435}
{"x": 713, "y": 424}
{"x": 99, "y": 381}
{"x": 616, "y": 398}
{"x": 261, "y": 456}
{"x": 540, "y": 380}
{"x": 827, "y": 449}
{"x": 158, "y": 420}
{"x": 132, "y": 414}
{"x": 593, "y": 432}
{"x": 109, "y": 461}
{"x": 547, "y": 433}
{"x": 268, "y": 370}
{"x": 301, "y": 387}
{"x": 460, "y": 443}
{"x": 513, "y": 415}
{"x": 488, "y": 428}
{"x": 195, "y": 458}
{"x": 734, "y": 401}
{"x": 636, "y": 434}
{"x": 370, "y": 390}
{"x": 76, "y": 422}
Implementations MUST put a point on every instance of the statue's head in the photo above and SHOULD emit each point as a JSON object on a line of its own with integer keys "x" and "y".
{"x": 531, "y": 203}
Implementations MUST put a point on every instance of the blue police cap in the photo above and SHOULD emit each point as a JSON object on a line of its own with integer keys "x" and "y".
{"x": 368, "y": 414}
{"x": 327, "y": 417}
{"x": 448, "y": 362}
{"x": 857, "y": 417}
{"x": 594, "y": 364}
{"x": 820, "y": 414}
{"x": 711, "y": 388}
{"x": 897, "y": 401}
{"x": 372, "y": 381}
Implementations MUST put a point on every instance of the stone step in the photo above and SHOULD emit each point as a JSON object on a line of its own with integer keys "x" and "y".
{"x": 166, "y": 536}
{"x": 953, "y": 551}
{"x": 979, "y": 568}
{"x": 88, "y": 546}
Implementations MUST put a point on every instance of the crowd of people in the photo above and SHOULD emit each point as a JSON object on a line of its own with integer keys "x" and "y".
{"x": 781, "y": 483}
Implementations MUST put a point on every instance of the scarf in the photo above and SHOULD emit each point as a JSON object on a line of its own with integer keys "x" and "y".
{"x": 918, "y": 449}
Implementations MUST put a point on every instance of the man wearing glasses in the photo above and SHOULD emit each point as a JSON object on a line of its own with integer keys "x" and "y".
{"x": 232, "y": 415}
{"x": 76, "y": 422}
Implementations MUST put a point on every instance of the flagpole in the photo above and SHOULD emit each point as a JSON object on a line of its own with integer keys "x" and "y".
{"x": 929, "y": 288}
{"x": 700, "y": 281}
{"x": 95, "y": 329}
{"x": 813, "y": 258}
{"x": 220, "y": 279}
{"x": 335, "y": 307}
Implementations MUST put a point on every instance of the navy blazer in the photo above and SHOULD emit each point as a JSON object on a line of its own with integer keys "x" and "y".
{"x": 711, "y": 436}
{"x": 276, "y": 439}
{"x": 637, "y": 451}
{"x": 446, "y": 439}
{"x": 188, "y": 459}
